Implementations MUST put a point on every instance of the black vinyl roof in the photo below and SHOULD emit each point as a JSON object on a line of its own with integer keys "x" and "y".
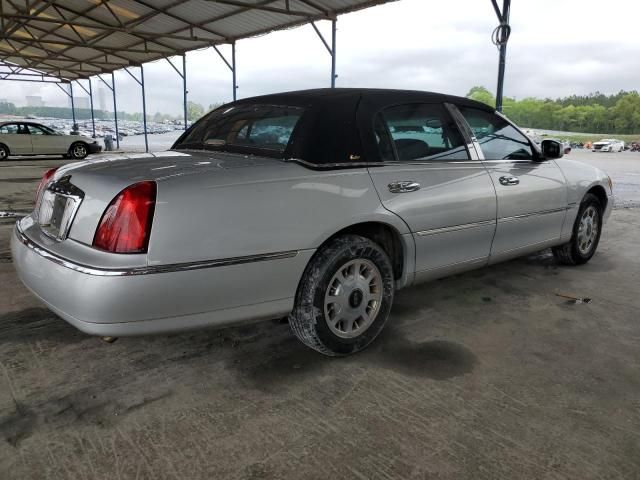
{"x": 382, "y": 96}
{"x": 337, "y": 125}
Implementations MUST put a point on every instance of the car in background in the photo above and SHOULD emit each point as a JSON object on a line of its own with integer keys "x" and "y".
{"x": 317, "y": 204}
{"x": 608, "y": 145}
{"x": 29, "y": 138}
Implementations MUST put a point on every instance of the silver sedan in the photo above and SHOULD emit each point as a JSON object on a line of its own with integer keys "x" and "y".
{"x": 316, "y": 204}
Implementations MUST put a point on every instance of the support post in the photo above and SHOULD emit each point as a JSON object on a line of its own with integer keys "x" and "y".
{"x": 115, "y": 109}
{"x": 93, "y": 120}
{"x": 500, "y": 38}
{"x": 333, "y": 53}
{"x": 144, "y": 102}
{"x": 184, "y": 87}
{"x": 233, "y": 70}
{"x": 331, "y": 49}
{"x": 73, "y": 107}
{"x": 144, "y": 110}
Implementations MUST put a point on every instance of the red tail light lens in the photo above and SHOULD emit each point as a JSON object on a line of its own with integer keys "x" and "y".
{"x": 125, "y": 225}
{"x": 45, "y": 179}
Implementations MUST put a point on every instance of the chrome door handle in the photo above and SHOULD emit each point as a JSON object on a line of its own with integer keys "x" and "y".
{"x": 405, "y": 186}
{"x": 509, "y": 181}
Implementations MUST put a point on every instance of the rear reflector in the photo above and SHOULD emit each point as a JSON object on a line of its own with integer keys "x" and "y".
{"x": 43, "y": 183}
{"x": 125, "y": 225}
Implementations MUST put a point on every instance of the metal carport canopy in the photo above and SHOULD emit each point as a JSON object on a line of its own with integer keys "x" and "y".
{"x": 75, "y": 39}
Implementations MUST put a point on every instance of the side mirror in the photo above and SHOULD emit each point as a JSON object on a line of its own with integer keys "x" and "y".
{"x": 551, "y": 149}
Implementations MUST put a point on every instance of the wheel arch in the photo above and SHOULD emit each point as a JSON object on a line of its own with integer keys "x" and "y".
{"x": 398, "y": 247}
{"x": 600, "y": 192}
{"x": 7, "y": 147}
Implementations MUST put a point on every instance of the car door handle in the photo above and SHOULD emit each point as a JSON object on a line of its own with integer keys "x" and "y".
{"x": 405, "y": 186}
{"x": 507, "y": 181}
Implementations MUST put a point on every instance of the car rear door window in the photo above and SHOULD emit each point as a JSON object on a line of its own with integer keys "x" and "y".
{"x": 265, "y": 129}
{"x": 10, "y": 128}
{"x": 420, "y": 132}
{"x": 498, "y": 139}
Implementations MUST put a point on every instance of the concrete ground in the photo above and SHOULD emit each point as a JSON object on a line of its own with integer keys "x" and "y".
{"x": 484, "y": 375}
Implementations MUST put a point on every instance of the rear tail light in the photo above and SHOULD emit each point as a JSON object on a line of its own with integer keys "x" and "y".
{"x": 43, "y": 183}
{"x": 125, "y": 225}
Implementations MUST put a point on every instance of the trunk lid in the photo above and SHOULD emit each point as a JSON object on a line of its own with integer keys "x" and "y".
{"x": 101, "y": 179}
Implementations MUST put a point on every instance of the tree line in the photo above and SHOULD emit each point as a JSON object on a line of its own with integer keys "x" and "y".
{"x": 593, "y": 113}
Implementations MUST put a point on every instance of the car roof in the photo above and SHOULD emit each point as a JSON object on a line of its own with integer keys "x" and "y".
{"x": 10, "y": 122}
{"x": 376, "y": 95}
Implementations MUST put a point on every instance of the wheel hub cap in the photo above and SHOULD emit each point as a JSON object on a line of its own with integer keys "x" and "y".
{"x": 353, "y": 298}
{"x": 588, "y": 230}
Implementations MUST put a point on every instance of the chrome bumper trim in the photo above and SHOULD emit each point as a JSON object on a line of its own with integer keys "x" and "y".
{"x": 148, "y": 270}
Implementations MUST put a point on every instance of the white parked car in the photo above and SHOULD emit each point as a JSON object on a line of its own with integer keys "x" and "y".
{"x": 28, "y": 138}
{"x": 608, "y": 145}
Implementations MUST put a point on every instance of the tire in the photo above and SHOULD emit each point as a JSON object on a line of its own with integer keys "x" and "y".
{"x": 4, "y": 152}
{"x": 337, "y": 312}
{"x": 78, "y": 150}
{"x": 586, "y": 234}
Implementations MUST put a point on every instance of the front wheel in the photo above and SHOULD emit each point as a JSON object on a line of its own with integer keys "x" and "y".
{"x": 78, "y": 150}
{"x": 344, "y": 297}
{"x": 586, "y": 234}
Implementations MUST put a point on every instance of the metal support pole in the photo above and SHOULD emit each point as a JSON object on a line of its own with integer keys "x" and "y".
{"x": 333, "y": 53}
{"x": 93, "y": 120}
{"x": 144, "y": 110}
{"x": 184, "y": 87}
{"x": 500, "y": 38}
{"x": 331, "y": 49}
{"x": 115, "y": 108}
{"x": 73, "y": 108}
{"x": 233, "y": 69}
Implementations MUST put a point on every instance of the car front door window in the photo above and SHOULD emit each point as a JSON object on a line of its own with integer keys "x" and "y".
{"x": 497, "y": 138}
{"x": 420, "y": 132}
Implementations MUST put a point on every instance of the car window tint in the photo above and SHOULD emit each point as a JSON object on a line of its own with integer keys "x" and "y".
{"x": 498, "y": 139}
{"x": 10, "y": 128}
{"x": 251, "y": 127}
{"x": 424, "y": 132}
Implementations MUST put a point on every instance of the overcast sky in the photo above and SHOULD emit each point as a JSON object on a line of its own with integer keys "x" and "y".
{"x": 557, "y": 48}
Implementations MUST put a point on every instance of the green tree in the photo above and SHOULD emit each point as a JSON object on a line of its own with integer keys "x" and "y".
{"x": 481, "y": 94}
{"x": 194, "y": 111}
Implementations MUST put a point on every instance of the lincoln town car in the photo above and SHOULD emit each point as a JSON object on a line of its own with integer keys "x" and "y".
{"x": 317, "y": 205}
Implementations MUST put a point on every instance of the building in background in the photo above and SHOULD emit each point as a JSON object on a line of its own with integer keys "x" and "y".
{"x": 82, "y": 102}
{"x": 102, "y": 99}
{"x": 34, "y": 101}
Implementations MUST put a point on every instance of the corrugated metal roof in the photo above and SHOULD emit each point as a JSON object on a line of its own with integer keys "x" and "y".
{"x": 71, "y": 39}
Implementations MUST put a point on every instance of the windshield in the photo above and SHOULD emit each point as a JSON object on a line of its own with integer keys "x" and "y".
{"x": 260, "y": 129}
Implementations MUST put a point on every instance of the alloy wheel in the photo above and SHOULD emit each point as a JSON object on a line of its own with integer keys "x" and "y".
{"x": 353, "y": 298}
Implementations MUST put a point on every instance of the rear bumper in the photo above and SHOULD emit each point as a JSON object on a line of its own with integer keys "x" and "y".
{"x": 101, "y": 302}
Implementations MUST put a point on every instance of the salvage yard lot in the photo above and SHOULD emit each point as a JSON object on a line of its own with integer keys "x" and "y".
{"x": 484, "y": 375}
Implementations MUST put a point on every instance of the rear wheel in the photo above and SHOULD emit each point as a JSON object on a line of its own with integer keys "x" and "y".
{"x": 78, "y": 150}
{"x": 4, "y": 152}
{"x": 344, "y": 297}
{"x": 586, "y": 234}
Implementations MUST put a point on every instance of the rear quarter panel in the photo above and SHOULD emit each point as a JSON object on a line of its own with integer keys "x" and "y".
{"x": 259, "y": 210}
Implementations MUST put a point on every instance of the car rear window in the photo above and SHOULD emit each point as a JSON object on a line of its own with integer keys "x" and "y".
{"x": 261, "y": 129}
